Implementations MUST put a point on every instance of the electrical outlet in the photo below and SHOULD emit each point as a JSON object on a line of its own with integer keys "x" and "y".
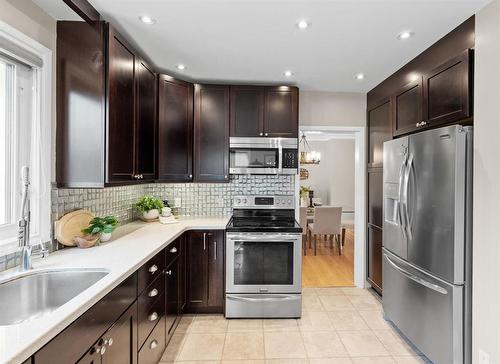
{"x": 177, "y": 202}
{"x": 484, "y": 357}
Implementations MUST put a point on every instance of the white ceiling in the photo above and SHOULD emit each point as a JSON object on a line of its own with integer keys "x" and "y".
{"x": 256, "y": 40}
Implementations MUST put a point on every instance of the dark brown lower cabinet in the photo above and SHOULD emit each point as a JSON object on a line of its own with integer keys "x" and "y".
{"x": 182, "y": 275}
{"x": 205, "y": 272}
{"x": 375, "y": 257}
{"x": 153, "y": 348}
{"x": 172, "y": 288}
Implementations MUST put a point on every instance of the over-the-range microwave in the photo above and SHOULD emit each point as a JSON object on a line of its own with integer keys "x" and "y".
{"x": 263, "y": 155}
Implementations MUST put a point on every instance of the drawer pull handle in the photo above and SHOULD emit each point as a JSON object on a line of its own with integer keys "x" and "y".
{"x": 153, "y": 316}
{"x": 173, "y": 250}
{"x": 102, "y": 350}
{"x": 110, "y": 341}
{"x": 153, "y": 292}
{"x": 153, "y": 269}
{"x": 153, "y": 344}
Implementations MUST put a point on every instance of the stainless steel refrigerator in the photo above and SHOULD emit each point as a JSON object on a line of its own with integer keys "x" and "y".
{"x": 427, "y": 241}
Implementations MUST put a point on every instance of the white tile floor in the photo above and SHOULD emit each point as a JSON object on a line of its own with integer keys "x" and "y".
{"x": 338, "y": 326}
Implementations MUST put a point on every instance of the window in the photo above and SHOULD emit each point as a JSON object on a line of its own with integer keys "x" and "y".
{"x": 24, "y": 138}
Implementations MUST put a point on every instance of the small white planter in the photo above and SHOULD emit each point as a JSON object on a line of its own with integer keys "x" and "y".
{"x": 105, "y": 237}
{"x": 151, "y": 214}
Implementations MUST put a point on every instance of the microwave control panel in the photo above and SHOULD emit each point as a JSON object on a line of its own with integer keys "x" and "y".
{"x": 290, "y": 158}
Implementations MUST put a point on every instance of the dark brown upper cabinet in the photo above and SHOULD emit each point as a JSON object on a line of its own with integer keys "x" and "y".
{"x": 175, "y": 130}
{"x": 447, "y": 91}
{"x": 261, "y": 111}
{"x": 379, "y": 131}
{"x": 247, "y": 111}
{"x": 281, "y": 115}
{"x": 211, "y": 133}
{"x": 407, "y": 107}
{"x": 145, "y": 126}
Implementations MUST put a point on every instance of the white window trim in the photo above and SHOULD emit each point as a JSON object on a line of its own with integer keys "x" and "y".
{"x": 44, "y": 116}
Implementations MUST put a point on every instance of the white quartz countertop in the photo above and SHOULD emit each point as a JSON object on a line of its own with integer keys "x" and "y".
{"x": 134, "y": 244}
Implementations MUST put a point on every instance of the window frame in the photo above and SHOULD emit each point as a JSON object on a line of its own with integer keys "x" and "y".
{"x": 42, "y": 116}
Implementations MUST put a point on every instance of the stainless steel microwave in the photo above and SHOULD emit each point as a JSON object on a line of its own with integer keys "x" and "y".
{"x": 263, "y": 155}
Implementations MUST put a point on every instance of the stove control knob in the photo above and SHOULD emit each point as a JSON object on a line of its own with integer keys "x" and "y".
{"x": 290, "y": 202}
{"x": 238, "y": 201}
{"x": 244, "y": 201}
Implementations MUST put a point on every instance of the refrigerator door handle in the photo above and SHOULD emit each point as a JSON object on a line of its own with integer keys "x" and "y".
{"x": 406, "y": 187}
{"x": 414, "y": 278}
{"x": 400, "y": 210}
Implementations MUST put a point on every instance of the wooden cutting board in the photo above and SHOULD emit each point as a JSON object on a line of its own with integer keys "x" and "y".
{"x": 71, "y": 225}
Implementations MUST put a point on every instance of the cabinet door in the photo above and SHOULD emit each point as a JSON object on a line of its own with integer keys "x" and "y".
{"x": 281, "y": 111}
{"x": 211, "y": 133}
{"x": 215, "y": 289}
{"x": 375, "y": 257}
{"x": 182, "y": 275}
{"x": 247, "y": 111}
{"x": 408, "y": 108}
{"x": 196, "y": 270}
{"x": 379, "y": 131}
{"x": 120, "y": 108}
{"x": 145, "y": 122}
{"x": 175, "y": 135}
{"x": 447, "y": 93}
{"x": 172, "y": 289}
{"x": 375, "y": 192}
{"x": 120, "y": 340}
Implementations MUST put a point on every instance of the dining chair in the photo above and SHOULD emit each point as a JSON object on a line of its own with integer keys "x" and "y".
{"x": 303, "y": 224}
{"x": 327, "y": 221}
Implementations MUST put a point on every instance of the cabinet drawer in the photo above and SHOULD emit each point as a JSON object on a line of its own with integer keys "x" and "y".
{"x": 149, "y": 271}
{"x": 148, "y": 317}
{"x": 154, "y": 346}
{"x": 151, "y": 294}
{"x": 172, "y": 251}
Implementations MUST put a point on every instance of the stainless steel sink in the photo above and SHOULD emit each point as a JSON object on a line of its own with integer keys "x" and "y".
{"x": 29, "y": 295}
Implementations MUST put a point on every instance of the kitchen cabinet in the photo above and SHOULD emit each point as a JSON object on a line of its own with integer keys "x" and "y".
{"x": 172, "y": 289}
{"x": 281, "y": 112}
{"x": 205, "y": 272}
{"x": 175, "y": 130}
{"x": 146, "y": 124}
{"x": 116, "y": 345}
{"x": 153, "y": 348}
{"x": 379, "y": 131}
{"x": 407, "y": 104}
{"x": 211, "y": 133}
{"x": 264, "y": 111}
{"x": 106, "y": 108}
{"x": 447, "y": 91}
{"x": 375, "y": 200}
{"x": 182, "y": 274}
{"x": 375, "y": 257}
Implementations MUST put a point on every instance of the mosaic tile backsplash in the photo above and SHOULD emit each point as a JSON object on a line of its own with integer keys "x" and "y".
{"x": 196, "y": 199}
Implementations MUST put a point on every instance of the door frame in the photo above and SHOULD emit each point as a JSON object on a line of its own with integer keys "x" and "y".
{"x": 358, "y": 134}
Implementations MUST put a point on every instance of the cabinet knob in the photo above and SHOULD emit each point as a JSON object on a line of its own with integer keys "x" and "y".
{"x": 153, "y": 344}
{"x": 190, "y": 176}
{"x": 169, "y": 272}
{"x": 153, "y": 292}
{"x": 261, "y": 134}
{"x": 141, "y": 176}
{"x": 225, "y": 176}
{"x": 153, "y": 268}
{"x": 110, "y": 341}
{"x": 173, "y": 250}
{"x": 153, "y": 316}
{"x": 102, "y": 350}
{"x": 266, "y": 134}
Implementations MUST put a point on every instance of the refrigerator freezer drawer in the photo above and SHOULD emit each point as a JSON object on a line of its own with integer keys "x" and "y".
{"x": 263, "y": 305}
{"x": 428, "y": 311}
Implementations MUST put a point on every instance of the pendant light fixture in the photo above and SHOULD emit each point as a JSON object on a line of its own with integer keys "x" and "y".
{"x": 308, "y": 156}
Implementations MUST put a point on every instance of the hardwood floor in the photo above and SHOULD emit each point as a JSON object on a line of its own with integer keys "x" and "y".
{"x": 327, "y": 268}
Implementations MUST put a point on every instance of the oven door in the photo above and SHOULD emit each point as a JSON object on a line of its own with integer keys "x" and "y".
{"x": 254, "y": 160}
{"x": 263, "y": 263}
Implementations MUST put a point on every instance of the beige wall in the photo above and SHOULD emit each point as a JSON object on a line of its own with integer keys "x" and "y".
{"x": 486, "y": 241}
{"x": 333, "y": 179}
{"x": 332, "y": 108}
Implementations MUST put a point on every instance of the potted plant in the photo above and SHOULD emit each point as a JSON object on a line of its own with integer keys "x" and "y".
{"x": 304, "y": 195}
{"x": 149, "y": 207}
{"x": 102, "y": 226}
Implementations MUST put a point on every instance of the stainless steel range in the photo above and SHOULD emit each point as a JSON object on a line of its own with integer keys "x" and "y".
{"x": 263, "y": 258}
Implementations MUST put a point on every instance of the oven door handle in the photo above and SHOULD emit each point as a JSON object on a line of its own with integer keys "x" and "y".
{"x": 263, "y": 299}
{"x": 270, "y": 238}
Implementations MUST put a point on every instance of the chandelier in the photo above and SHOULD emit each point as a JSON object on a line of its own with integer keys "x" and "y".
{"x": 308, "y": 156}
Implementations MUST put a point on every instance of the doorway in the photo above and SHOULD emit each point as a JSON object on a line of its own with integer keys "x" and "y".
{"x": 327, "y": 268}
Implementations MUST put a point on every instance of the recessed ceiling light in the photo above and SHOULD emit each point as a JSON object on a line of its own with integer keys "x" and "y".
{"x": 303, "y": 24}
{"x": 146, "y": 19}
{"x": 181, "y": 67}
{"x": 360, "y": 76}
{"x": 405, "y": 35}
{"x": 288, "y": 73}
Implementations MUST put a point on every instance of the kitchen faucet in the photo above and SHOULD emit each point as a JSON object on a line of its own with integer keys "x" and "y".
{"x": 23, "y": 236}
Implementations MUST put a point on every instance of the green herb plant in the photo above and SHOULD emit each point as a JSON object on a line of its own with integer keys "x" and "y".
{"x": 99, "y": 225}
{"x": 147, "y": 203}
